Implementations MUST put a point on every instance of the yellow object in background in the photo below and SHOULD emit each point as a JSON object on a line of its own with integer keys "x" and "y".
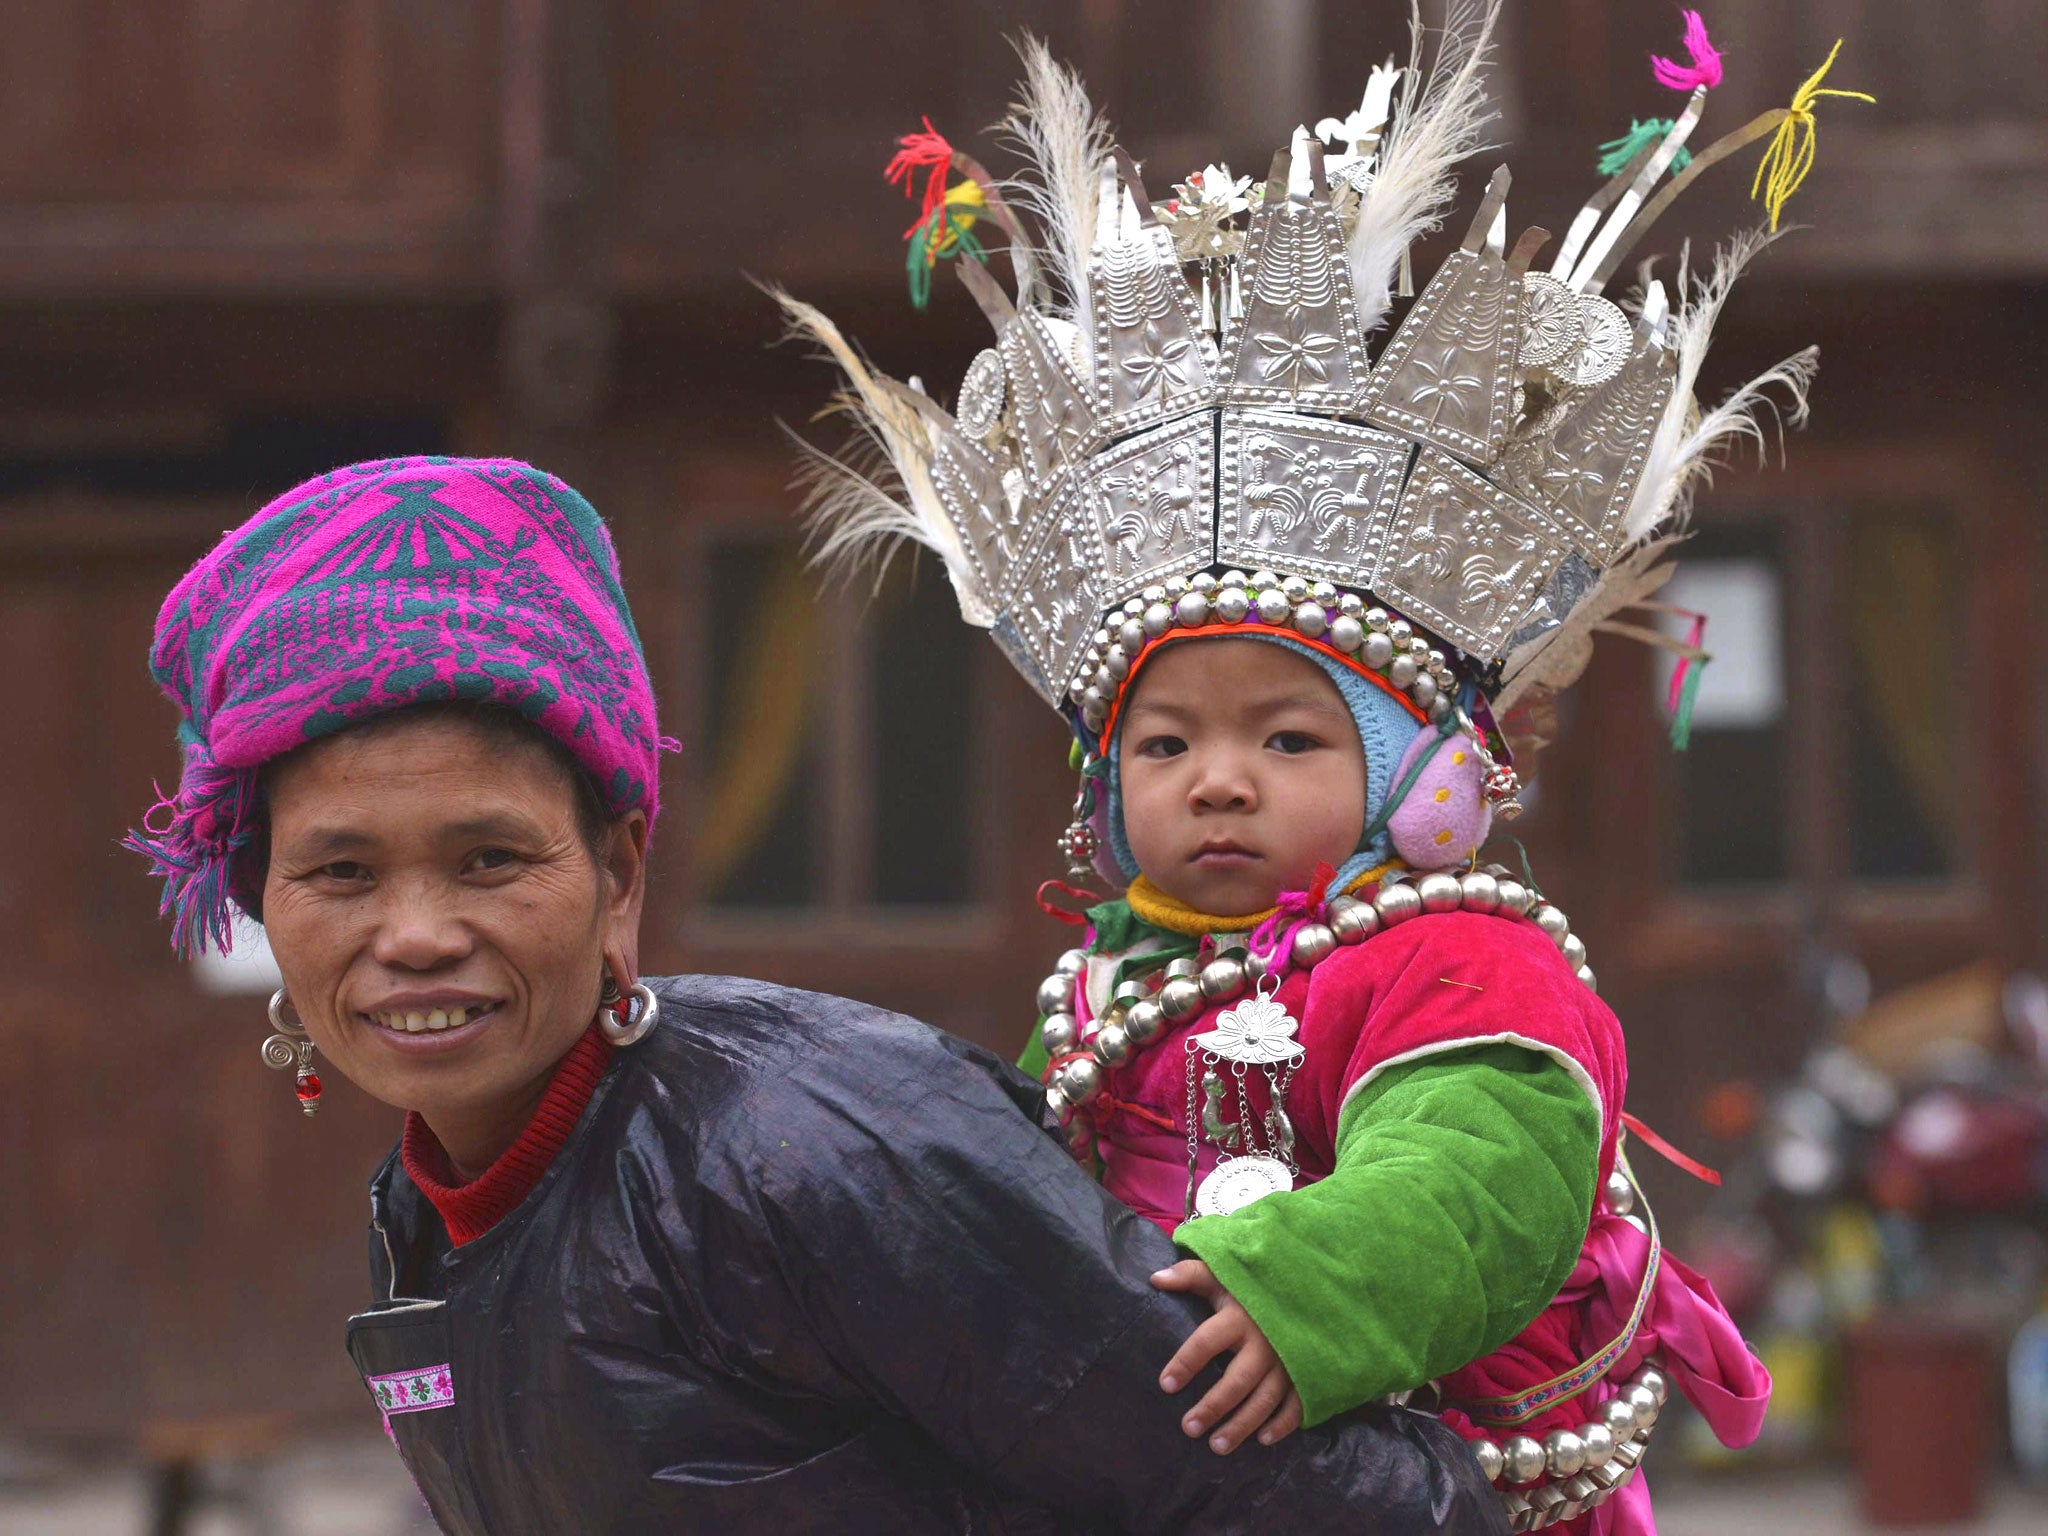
{"x": 1852, "y": 1264}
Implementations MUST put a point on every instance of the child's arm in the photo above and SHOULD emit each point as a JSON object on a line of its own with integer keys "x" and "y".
{"x": 1460, "y": 1198}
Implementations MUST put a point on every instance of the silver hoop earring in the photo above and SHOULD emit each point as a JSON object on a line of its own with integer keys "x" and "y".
{"x": 624, "y": 1025}
{"x": 289, "y": 1047}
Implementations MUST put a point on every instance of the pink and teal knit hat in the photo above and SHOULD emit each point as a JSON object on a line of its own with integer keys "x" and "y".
{"x": 371, "y": 588}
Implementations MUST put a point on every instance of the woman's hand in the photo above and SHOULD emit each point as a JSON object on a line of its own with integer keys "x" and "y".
{"x": 1255, "y": 1384}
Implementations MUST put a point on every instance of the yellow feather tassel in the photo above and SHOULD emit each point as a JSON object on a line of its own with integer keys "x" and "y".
{"x": 1790, "y": 153}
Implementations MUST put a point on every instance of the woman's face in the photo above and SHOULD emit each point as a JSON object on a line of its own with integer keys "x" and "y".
{"x": 442, "y": 925}
{"x": 1241, "y": 771}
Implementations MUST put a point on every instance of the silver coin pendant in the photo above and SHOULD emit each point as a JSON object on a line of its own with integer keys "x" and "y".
{"x": 1235, "y": 1184}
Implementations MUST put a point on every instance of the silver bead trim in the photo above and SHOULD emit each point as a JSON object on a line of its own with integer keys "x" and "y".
{"x": 1133, "y": 1022}
{"x": 1316, "y": 610}
{"x": 1573, "y": 1470}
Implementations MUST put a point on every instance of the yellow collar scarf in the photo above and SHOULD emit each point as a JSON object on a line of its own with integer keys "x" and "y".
{"x": 1174, "y": 915}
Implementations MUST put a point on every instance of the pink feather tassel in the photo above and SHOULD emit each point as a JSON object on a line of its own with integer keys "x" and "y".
{"x": 1705, "y": 68}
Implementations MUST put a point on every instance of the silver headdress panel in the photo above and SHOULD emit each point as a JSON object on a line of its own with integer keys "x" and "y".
{"x": 1207, "y": 402}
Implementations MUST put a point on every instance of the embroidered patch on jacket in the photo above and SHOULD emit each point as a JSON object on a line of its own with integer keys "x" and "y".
{"x": 413, "y": 1391}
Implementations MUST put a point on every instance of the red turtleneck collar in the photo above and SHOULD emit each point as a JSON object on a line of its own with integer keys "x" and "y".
{"x": 470, "y": 1210}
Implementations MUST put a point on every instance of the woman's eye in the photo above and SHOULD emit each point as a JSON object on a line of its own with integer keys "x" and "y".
{"x": 1162, "y": 746}
{"x": 345, "y": 870}
{"x": 493, "y": 858}
{"x": 1292, "y": 743}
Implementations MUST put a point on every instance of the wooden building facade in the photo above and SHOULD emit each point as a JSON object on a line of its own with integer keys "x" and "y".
{"x": 241, "y": 243}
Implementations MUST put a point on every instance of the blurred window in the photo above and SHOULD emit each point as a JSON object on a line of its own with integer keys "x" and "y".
{"x": 1905, "y": 801}
{"x": 920, "y": 667}
{"x": 756, "y": 839}
{"x": 835, "y": 758}
{"x": 1731, "y": 814}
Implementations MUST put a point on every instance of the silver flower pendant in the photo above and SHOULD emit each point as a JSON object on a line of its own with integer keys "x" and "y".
{"x": 1258, "y": 1032}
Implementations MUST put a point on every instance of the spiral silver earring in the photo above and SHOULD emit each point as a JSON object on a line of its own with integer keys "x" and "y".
{"x": 289, "y": 1047}
{"x": 625, "y": 1025}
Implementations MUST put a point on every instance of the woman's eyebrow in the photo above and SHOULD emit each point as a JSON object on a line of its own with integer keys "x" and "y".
{"x": 322, "y": 842}
{"x": 492, "y": 824}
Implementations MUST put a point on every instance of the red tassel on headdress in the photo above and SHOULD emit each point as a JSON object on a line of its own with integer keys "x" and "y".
{"x": 929, "y": 152}
{"x": 945, "y": 223}
{"x": 1705, "y": 68}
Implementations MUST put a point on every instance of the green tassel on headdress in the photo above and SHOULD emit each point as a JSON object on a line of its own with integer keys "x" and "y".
{"x": 1681, "y": 717}
{"x": 1615, "y": 154}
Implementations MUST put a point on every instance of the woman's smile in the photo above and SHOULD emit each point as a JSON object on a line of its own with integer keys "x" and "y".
{"x": 430, "y": 1024}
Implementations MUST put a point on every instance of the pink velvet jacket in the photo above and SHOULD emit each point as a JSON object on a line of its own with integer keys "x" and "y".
{"x": 1433, "y": 984}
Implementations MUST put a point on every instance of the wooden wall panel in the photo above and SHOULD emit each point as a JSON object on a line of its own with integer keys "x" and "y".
{"x": 177, "y": 1241}
{"x": 232, "y": 100}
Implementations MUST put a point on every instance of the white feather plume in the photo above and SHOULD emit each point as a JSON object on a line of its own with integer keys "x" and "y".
{"x": 1063, "y": 140}
{"x": 863, "y": 504}
{"x": 1689, "y": 442}
{"x": 1438, "y": 124}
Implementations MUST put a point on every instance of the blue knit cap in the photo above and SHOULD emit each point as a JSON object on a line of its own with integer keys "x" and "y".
{"x": 1385, "y": 730}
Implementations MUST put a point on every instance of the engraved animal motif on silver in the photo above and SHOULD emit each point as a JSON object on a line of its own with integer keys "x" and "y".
{"x": 968, "y": 479}
{"x": 1218, "y": 1129}
{"x": 1465, "y": 556}
{"x": 1051, "y": 413}
{"x": 1304, "y": 494}
{"x": 1156, "y": 498}
{"x": 1057, "y": 594}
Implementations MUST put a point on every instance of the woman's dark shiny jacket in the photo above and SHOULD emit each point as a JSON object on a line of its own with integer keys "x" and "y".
{"x": 807, "y": 1266}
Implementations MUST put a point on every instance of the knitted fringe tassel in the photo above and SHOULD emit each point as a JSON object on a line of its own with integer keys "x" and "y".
{"x": 194, "y": 852}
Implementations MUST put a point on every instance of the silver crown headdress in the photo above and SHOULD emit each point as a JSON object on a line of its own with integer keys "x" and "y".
{"x": 1179, "y": 423}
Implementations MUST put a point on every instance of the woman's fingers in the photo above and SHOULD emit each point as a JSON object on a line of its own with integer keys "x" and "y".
{"x": 1268, "y": 1393}
{"x": 1285, "y": 1422}
{"x": 1190, "y": 1275}
{"x": 1246, "y": 1371}
{"x": 1219, "y": 1333}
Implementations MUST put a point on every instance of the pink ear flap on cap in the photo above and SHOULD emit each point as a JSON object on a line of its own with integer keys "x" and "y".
{"x": 1444, "y": 817}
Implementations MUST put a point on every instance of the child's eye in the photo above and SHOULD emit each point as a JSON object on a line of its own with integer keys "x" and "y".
{"x": 1161, "y": 746}
{"x": 1292, "y": 743}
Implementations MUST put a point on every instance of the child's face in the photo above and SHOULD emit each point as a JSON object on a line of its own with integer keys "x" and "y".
{"x": 1241, "y": 771}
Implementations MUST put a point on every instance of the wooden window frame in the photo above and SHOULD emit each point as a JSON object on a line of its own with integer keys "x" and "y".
{"x": 1673, "y": 929}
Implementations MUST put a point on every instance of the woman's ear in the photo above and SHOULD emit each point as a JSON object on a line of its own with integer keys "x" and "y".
{"x": 625, "y": 877}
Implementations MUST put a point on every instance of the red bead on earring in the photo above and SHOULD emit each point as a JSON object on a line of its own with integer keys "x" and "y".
{"x": 289, "y": 1047}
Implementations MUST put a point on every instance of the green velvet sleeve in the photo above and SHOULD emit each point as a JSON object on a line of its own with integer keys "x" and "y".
{"x": 1456, "y": 1210}
{"x": 1034, "y": 1061}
